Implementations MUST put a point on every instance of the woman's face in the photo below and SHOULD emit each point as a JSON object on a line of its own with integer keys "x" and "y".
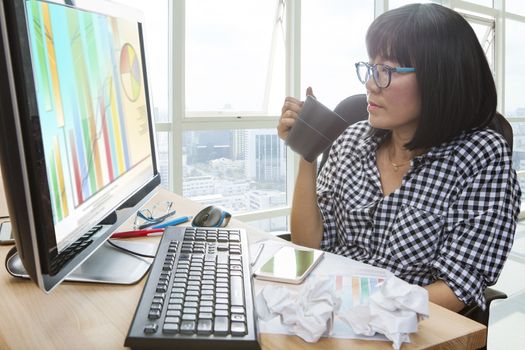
{"x": 396, "y": 107}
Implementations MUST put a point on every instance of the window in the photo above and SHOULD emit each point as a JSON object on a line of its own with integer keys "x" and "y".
{"x": 514, "y": 71}
{"x": 398, "y": 3}
{"x": 234, "y": 57}
{"x": 487, "y": 3}
{"x": 515, "y": 6}
{"x": 276, "y": 225}
{"x": 163, "y": 156}
{"x": 484, "y": 29}
{"x": 333, "y": 39}
{"x": 243, "y": 170}
{"x": 514, "y": 99}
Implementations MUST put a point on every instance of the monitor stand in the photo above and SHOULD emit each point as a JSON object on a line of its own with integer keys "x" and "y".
{"x": 106, "y": 265}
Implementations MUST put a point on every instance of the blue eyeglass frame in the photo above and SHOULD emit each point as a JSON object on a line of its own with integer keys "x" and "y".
{"x": 373, "y": 68}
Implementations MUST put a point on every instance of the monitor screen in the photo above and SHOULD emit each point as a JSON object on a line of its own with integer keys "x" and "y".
{"x": 93, "y": 114}
{"x": 79, "y": 132}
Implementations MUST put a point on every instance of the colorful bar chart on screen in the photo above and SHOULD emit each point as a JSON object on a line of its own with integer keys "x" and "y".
{"x": 85, "y": 100}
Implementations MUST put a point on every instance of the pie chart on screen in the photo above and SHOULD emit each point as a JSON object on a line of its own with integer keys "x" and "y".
{"x": 130, "y": 76}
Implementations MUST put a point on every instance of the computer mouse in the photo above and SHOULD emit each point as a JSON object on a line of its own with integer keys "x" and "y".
{"x": 211, "y": 216}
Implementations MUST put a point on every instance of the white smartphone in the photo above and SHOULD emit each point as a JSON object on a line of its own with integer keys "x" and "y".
{"x": 289, "y": 265}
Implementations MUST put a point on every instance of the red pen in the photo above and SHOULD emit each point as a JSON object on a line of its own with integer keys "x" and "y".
{"x": 137, "y": 233}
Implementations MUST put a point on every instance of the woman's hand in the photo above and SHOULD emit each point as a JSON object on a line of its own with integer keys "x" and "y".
{"x": 289, "y": 114}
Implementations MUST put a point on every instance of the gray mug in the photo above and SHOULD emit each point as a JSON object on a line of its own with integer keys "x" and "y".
{"x": 315, "y": 129}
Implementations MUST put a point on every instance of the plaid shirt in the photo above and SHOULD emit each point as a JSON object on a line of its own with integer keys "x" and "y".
{"x": 453, "y": 218}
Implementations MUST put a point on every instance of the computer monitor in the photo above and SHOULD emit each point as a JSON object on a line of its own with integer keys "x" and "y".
{"x": 76, "y": 135}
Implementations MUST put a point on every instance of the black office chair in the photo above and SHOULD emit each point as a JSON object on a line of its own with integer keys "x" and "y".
{"x": 353, "y": 109}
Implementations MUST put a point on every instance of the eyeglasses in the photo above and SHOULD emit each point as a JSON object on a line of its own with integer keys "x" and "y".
{"x": 154, "y": 215}
{"x": 382, "y": 73}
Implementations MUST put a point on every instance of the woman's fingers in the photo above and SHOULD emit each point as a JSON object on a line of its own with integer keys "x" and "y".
{"x": 289, "y": 113}
{"x": 286, "y": 122}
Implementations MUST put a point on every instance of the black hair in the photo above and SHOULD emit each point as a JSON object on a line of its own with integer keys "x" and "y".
{"x": 455, "y": 82}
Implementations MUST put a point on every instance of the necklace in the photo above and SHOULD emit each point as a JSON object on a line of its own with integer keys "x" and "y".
{"x": 396, "y": 166}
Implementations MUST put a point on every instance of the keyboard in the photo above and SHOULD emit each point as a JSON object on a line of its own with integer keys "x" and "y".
{"x": 70, "y": 252}
{"x": 198, "y": 294}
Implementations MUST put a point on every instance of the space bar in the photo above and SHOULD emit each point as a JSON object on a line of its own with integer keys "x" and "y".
{"x": 237, "y": 291}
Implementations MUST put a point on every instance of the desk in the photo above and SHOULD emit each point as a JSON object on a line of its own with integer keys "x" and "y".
{"x": 96, "y": 316}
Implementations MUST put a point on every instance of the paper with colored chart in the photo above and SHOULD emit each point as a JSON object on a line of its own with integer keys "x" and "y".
{"x": 352, "y": 290}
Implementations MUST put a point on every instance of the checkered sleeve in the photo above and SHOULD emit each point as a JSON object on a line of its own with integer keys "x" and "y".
{"x": 480, "y": 225}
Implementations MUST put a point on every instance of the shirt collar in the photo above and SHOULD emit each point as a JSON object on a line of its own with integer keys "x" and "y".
{"x": 369, "y": 144}
{"x": 443, "y": 150}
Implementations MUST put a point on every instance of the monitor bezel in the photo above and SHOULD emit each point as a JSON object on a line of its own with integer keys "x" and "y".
{"x": 28, "y": 194}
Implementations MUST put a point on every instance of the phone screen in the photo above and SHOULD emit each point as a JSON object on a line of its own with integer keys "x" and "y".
{"x": 290, "y": 263}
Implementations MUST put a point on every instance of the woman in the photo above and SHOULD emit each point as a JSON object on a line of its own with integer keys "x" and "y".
{"x": 423, "y": 188}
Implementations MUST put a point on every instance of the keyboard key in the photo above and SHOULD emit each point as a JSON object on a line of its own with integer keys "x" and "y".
{"x": 221, "y": 326}
{"x": 170, "y": 328}
{"x": 189, "y": 317}
{"x": 160, "y": 295}
{"x": 236, "y": 273}
{"x": 156, "y": 306}
{"x": 187, "y": 327}
{"x": 238, "y": 328}
{"x": 194, "y": 293}
{"x": 206, "y": 309}
{"x": 237, "y": 291}
{"x": 238, "y": 318}
{"x": 205, "y": 315}
{"x": 191, "y": 304}
{"x": 219, "y": 296}
{"x": 204, "y": 326}
{"x": 172, "y": 320}
{"x": 175, "y": 301}
{"x": 175, "y": 307}
{"x": 150, "y": 328}
{"x": 154, "y": 314}
{"x": 173, "y": 313}
{"x": 222, "y": 258}
{"x": 222, "y": 313}
{"x": 221, "y": 290}
{"x": 189, "y": 310}
{"x": 237, "y": 310}
{"x": 176, "y": 296}
{"x": 191, "y": 298}
{"x": 222, "y": 300}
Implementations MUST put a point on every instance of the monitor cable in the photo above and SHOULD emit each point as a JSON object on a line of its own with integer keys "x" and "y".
{"x": 129, "y": 251}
